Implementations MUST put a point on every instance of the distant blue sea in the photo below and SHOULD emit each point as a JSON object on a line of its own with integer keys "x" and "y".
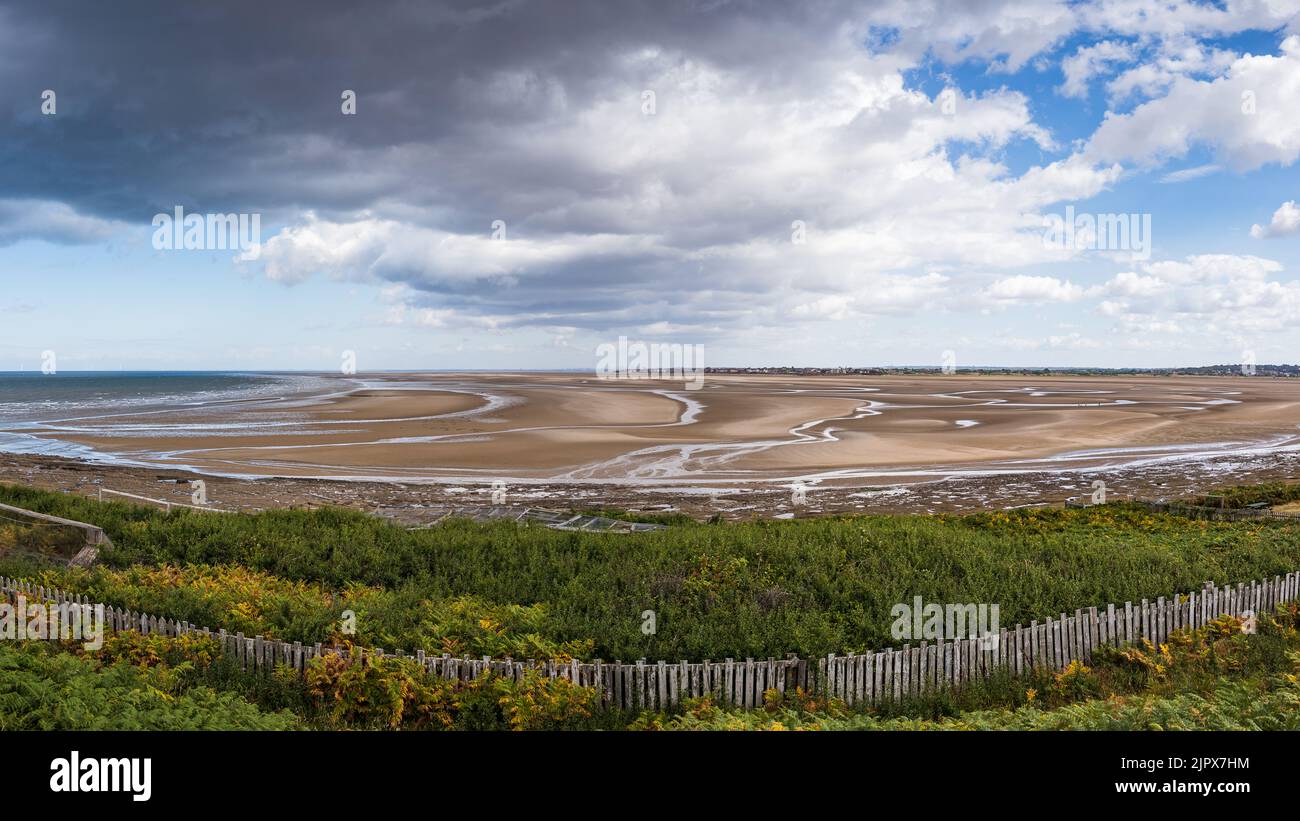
{"x": 34, "y": 396}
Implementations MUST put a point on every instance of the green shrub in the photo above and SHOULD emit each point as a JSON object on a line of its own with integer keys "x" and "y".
{"x": 42, "y": 688}
{"x": 766, "y": 588}
{"x": 398, "y": 694}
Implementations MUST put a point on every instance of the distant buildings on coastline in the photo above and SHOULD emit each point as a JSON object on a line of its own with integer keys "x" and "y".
{"x": 1204, "y": 370}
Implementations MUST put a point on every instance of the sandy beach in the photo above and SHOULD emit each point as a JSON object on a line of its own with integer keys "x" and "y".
{"x": 575, "y": 438}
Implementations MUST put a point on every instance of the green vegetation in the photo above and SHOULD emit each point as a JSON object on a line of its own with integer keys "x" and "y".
{"x": 137, "y": 682}
{"x": 750, "y": 589}
{"x": 1215, "y": 678}
{"x": 1233, "y": 705}
{"x": 19, "y": 538}
{"x": 1274, "y": 493}
{"x": 392, "y": 693}
{"x": 259, "y": 604}
{"x": 42, "y": 688}
{"x": 762, "y": 589}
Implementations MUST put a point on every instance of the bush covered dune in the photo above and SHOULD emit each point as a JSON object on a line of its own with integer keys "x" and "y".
{"x": 138, "y": 682}
{"x": 756, "y": 589}
{"x": 750, "y": 589}
{"x": 1218, "y": 677}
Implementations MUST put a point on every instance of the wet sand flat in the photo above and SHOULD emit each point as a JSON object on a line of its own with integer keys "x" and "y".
{"x": 572, "y": 428}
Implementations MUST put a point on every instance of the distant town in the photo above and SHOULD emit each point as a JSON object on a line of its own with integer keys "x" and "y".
{"x": 1274, "y": 371}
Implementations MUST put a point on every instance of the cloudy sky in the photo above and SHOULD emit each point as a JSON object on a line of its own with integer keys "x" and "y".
{"x": 812, "y": 183}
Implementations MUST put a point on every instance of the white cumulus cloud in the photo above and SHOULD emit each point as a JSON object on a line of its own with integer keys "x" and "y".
{"x": 1023, "y": 288}
{"x": 1285, "y": 222}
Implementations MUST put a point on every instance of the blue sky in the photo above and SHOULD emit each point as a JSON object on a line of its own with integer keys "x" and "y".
{"x": 922, "y": 221}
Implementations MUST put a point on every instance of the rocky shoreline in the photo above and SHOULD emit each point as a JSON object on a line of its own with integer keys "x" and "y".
{"x": 956, "y": 494}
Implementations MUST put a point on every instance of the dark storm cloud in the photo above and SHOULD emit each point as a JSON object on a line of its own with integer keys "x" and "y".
{"x": 235, "y": 105}
{"x": 769, "y": 115}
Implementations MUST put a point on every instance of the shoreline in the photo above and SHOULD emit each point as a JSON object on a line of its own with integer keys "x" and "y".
{"x": 856, "y": 444}
{"x": 952, "y": 495}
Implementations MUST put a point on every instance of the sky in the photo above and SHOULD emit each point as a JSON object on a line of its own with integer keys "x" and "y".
{"x": 510, "y": 185}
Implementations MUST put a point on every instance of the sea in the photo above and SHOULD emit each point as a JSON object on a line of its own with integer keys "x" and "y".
{"x": 35, "y": 401}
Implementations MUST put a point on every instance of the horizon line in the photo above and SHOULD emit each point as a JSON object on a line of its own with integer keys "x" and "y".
{"x": 927, "y": 366}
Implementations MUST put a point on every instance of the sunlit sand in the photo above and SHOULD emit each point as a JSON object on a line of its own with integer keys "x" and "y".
{"x": 574, "y": 428}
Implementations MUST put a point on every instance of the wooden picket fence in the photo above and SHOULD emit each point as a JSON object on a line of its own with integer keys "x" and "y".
{"x": 1228, "y": 514}
{"x": 868, "y": 678}
{"x": 95, "y": 535}
{"x": 1176, "y": 508}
